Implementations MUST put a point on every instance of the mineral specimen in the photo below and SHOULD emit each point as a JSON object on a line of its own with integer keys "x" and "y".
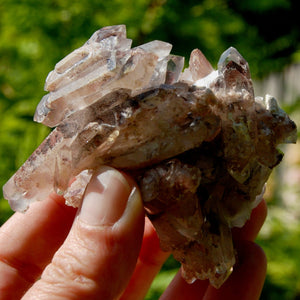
{"x": 199, "y": 143}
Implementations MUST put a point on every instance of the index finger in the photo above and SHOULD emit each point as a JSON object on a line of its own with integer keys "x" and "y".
{"x": 252, "y": 227}
{"x": 28, "y": 242}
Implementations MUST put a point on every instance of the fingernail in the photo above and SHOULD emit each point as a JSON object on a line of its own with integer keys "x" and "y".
{"x": 105, "y": 198}
{"x": 133, "y": 209}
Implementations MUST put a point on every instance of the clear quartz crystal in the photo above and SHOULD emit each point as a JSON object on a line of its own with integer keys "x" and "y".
{"x": 199, "y": 143}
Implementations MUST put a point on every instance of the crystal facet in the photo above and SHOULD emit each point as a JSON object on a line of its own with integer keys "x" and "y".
{"x": 198, "y": 142}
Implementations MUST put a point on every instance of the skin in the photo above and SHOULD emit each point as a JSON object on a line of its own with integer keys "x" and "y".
{"x": 56, "y": 252}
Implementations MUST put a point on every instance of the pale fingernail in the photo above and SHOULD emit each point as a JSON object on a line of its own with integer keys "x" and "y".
{"x": 105, "y": 198}
{"x": 133, "y": 212}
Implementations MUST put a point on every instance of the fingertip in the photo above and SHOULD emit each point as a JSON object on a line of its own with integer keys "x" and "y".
{"x": 251, "y": 254}
{"x": 252, "y": 227}
{"x": 133, "y": 215}
{"x": 150, "y": 261}
{"x": 179, "y": 287}
{"x": 105, "y": 198}
{"x": 248, "y": 276}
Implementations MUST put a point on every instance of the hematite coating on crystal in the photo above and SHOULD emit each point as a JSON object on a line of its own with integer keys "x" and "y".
{"x": 199, "y": 143}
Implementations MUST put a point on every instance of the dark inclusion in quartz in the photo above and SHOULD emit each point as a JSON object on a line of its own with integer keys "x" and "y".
{"x": 199, "y": 143}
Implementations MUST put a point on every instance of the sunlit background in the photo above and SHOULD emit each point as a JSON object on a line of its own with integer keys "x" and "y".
{"x": 35, "y": 34}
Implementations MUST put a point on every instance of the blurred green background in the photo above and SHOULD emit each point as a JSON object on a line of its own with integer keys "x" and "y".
{"x": 36, "y": 34}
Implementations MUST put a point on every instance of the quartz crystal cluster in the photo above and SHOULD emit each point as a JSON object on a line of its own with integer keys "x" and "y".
{"x": 199, "y": 143}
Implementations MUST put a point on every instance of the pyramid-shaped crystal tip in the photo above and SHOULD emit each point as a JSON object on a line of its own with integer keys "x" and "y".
{"x": 231, "y": 55}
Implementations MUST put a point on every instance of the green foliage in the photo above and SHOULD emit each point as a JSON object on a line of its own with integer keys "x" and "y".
{"x": 282, "y": 249}
{"x": 162, "y": 280}
{"x": 35, "y": 34}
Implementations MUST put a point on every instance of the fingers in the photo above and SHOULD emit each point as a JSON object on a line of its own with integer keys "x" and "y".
{"x": 152, "y": 258}
{"x": 100, "y": 252}
{"x": 252, "y": 227}
{"x": 179, "y": 289}
{"x": 28, "y": 242}
{"x": 247, "y": 280}
{"x": 90, "y": 256}
{"x": 150, "y": 261}
{"x": 247, "y": 259}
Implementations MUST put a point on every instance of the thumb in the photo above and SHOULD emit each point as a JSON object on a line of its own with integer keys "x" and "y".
{"x": 99, "y": 255}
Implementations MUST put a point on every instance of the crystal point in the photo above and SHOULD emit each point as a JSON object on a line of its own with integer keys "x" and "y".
{"x": 161, "y": 49}
{"x": 199, "y": 67}
{"x": 233, "y": 59}
{"x": 199, "y": 143}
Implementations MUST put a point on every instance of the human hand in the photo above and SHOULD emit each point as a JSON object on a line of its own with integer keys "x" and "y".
{"x": 105, "y": 251}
